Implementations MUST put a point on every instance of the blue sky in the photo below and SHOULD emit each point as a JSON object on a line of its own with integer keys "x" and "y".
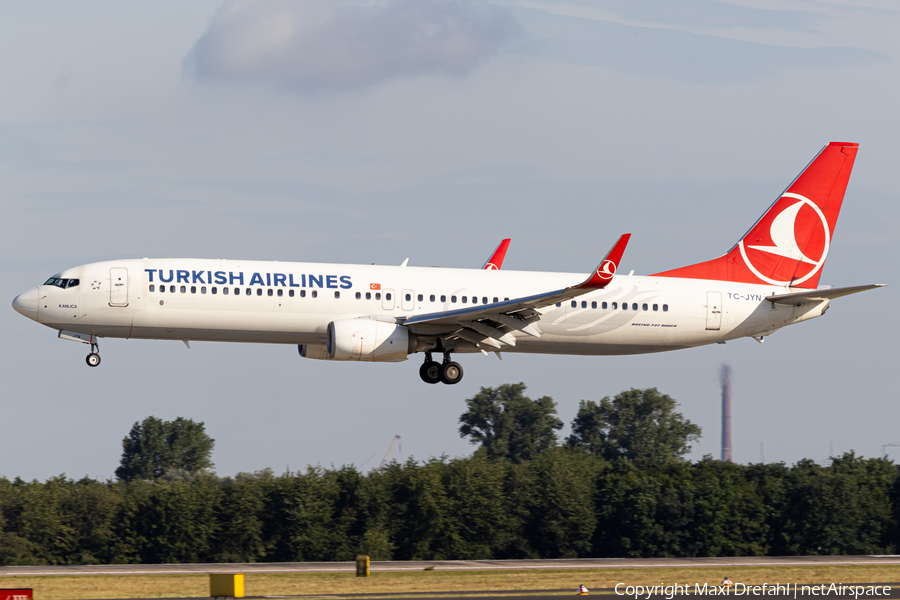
{"x": 367, "y": 132}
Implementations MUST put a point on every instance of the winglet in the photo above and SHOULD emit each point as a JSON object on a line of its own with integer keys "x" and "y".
{"x": 604, "y": 272}
{"x": 496, "y": 260}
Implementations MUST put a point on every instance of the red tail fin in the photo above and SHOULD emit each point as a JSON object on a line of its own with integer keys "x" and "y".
{"x": 496, "y": 260}
{"x": 789, "y": 243}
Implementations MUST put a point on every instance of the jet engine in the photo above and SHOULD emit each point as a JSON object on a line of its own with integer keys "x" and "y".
{"x": 369, "y": 340}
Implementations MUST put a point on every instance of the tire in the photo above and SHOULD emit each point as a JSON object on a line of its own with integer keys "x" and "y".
{"x": 430, "y": 372}
{"x": 451, "y": 373}
{"x": 93, "y": 359}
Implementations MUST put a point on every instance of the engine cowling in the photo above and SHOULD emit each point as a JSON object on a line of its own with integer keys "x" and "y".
{"x": 369, "y": 340}
{"x": 316, "y": 351}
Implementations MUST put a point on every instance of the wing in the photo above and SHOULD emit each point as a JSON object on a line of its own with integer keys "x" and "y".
{"x": 495, "y": 262}
{"x": 492, "y": 324}
{"x": 815, "y": 295}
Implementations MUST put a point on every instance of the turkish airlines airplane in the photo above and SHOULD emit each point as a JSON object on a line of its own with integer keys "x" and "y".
{"x": 379, "y": 313}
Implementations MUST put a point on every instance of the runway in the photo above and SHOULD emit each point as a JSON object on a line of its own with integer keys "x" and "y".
{"x": 454, "y": 565}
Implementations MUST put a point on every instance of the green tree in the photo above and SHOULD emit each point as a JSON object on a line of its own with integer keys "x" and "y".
{"x": 639, "y": 425}
{"x": 509, "y": 424}
{"x": 155, "y": 447}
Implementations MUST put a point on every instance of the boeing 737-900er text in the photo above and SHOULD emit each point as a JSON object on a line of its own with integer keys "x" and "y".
{"x": 769, "y": 279}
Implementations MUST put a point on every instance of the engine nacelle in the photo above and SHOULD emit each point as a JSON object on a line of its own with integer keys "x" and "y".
{"x": 369, "y": 340}
{"x": 315, "y": 351}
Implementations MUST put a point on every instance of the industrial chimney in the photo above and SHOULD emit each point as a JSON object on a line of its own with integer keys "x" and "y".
{"x": 726, "y": 413}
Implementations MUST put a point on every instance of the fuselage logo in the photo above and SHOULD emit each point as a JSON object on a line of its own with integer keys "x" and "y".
{"x": 606, "y": 270}
{"x": 805, "y": 255}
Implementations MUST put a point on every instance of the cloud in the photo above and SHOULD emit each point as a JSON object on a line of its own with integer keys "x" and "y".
{"x": 672, "y": 53}
{"x": 330, "y": 45}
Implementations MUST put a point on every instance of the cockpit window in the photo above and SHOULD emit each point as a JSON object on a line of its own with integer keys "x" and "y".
{"x": 62, "y": 283}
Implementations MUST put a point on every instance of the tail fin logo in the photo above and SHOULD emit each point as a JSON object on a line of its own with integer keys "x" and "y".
{"x": 491, "y": 267}
{"x": 606, "y": 270}
{"x": 783, "y": 229}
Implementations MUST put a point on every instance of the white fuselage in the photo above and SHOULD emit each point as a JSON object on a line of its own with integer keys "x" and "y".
{"x": 293, "y": 303}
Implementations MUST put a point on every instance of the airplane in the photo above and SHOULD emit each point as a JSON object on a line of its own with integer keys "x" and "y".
{"x": 375, "y": 313}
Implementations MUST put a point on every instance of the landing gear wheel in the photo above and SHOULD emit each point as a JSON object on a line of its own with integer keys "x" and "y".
{"x": 93, "y": 359}
{"x": 451, "y": 373}
{"x": 430, "y": 372}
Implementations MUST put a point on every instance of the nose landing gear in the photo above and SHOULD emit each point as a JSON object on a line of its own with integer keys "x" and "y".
{"x": 448, "y": 372}
{"x": 93, "y": 359}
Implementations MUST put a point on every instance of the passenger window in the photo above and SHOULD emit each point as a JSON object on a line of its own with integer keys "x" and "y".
{"x": 224, "y": 291}
{"x": 558, "y": 304}
{"x": 624, "y": 306}
{"x": 583, "y": 304}
{"x": 665, "y": 308}
{"x": 193, "y": 289}
{"x": 594, "y": 304}
{"x": 465, "y": 299}
{"x": 215, "y": 290}
{"x": 574, "y": 304}
{"x": 431, "y": 298}
{"x": 237, "y": 291}
{"x": 474, "y": 299}
{"x": 303, "y": 293}
{"x": 270, "y": 292}
{"x": 505, "y": 299}
{"x": 605, "y": 305}
{"x": 484, "y": 300}
{"x": 496, "y": 300}
{"x": 453, "y": 299}
{"x": 280, "y": 292}
{"x": 421, "y": 297}
{"x": 408, "y": 297}
{"x": 315, "y": 294}
{"x": 358, "y": 295}
{"x": 184, "y": 289}
{"x": 387, "y": 296}
{"x": 152, "y": 288}
{"x": 644, "y": 306}
{"x": 249, "y": 291}
{"x": 368, "y": 295}
{"x": 337, "y": 294}
{"x": 656, "y": 307}
{"x": 203, "y": 290}
{"x": 378, "y": 295}
{"x": 443, "y": 298}
{"x": 615, "y": 305}
{"x": 634, "y": 306}
{"x": 259, "y": 291}
{"x": 291, "y": 293}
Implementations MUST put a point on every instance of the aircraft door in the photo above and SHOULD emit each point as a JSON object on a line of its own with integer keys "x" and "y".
{"x": 118, "y": 286}
{"x": 713, "y": 310}
{"x": 407, "y": 301}
{"x": 387, "y": 300}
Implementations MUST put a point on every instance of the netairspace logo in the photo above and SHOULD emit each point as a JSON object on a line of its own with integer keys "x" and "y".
{"x": 795, "y": 590}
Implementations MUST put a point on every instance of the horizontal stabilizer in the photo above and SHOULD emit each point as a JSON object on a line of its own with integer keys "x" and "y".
{"x": 817, "y": 295}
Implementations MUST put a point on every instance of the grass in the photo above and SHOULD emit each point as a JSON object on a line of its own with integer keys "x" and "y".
{"x": 60, "y": 587}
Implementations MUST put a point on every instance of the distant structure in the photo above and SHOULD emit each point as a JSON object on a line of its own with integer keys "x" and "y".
{"x": 726, "y": 413}
{"x": 390, "y": 451}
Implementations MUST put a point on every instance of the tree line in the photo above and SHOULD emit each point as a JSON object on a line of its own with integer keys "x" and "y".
{"x": 619, "y": 486}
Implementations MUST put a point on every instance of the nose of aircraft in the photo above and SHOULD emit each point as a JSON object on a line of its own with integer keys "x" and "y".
{"x": 27, "y": 303}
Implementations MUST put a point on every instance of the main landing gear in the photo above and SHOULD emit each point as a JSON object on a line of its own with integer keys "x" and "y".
{"x": 93, "y": 359}
{"x": 448, "y": 372}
